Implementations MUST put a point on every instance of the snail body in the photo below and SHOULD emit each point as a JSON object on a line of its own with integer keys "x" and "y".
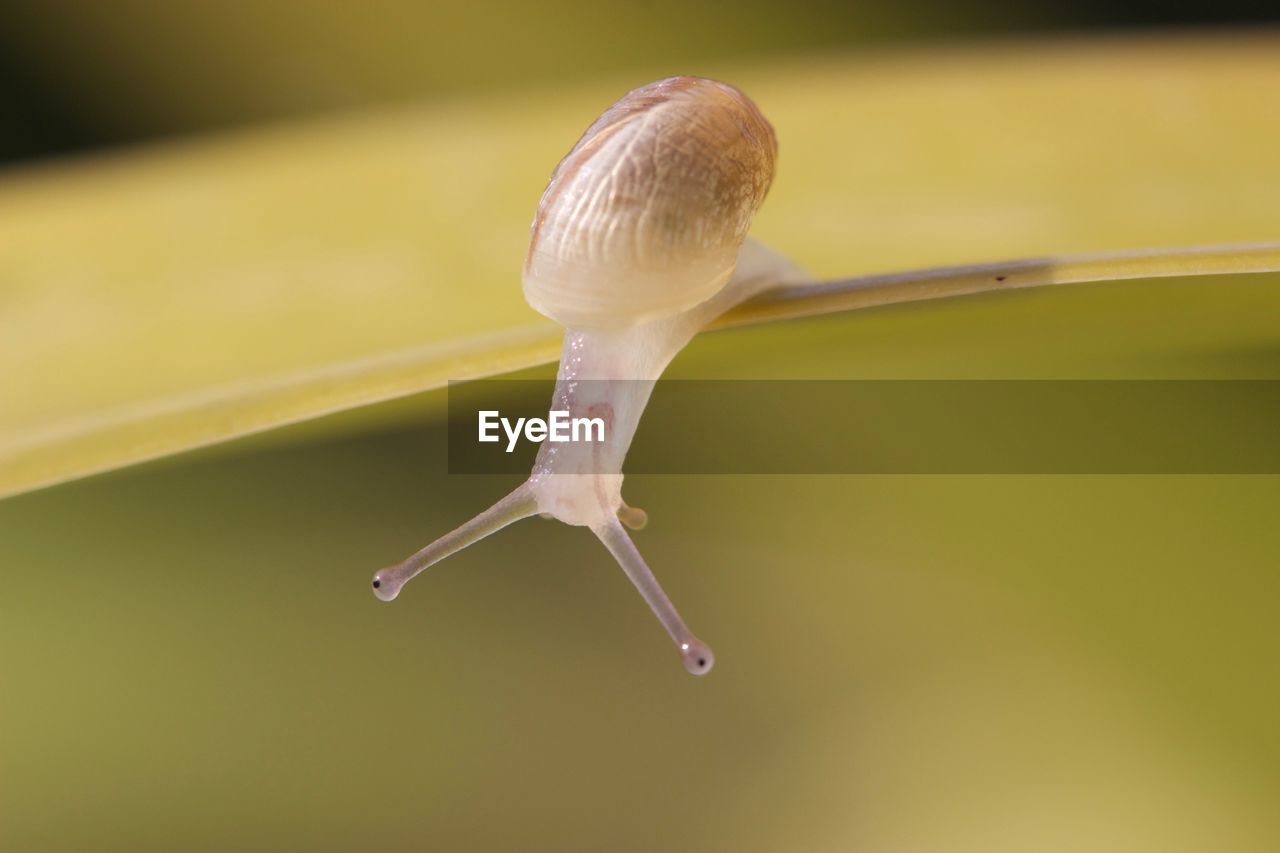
{"x": 639, "y": 241}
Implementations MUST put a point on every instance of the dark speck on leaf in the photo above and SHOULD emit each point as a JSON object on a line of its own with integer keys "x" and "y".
{"x": 1001, "y": 277}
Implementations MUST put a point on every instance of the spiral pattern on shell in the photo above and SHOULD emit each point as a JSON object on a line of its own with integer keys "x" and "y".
{"x": 644, "y": 217}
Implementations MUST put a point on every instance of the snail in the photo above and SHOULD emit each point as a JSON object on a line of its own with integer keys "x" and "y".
{"x": 639, "y": 241}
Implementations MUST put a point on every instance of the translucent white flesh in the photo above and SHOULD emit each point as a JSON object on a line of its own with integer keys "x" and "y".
{"x": 609, "y": 373}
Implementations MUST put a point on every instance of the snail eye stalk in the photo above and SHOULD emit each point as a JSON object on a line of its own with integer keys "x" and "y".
{"x": 696, "y": 655}
{"x": 388, "y": 582}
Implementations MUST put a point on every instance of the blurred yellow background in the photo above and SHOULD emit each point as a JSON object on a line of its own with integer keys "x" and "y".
{"x": 190, "y": 658}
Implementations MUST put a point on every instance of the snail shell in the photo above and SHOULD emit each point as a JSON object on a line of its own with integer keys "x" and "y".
{"x": 644, "y": 217}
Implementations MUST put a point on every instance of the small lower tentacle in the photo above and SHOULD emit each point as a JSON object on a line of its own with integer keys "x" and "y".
{"x": 632, "y": 516}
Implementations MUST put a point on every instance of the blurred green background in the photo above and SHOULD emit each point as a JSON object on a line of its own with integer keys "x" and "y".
{"x": 76, "y": 75}
{"x": 190, "y": 657}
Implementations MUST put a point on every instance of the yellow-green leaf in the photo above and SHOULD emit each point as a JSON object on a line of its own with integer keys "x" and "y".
{"x": 166, "y": 298}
